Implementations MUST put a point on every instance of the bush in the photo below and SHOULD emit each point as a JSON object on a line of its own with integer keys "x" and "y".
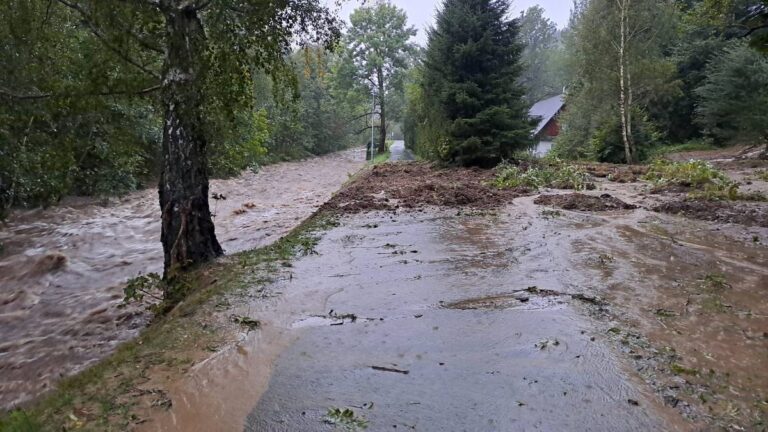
{"x": 706, "y": 182}
{"x": 695, "y": 174}
{"x": 556, "y": 175}
{"x": 690, "y": 146}
{"x": 607, "y": 145}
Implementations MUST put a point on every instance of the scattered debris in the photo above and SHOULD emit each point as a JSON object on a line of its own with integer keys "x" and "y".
{"x": 589, "y": 299}
{"x": 616, "y": 173}
{"x": 345, "y": 418}
{"x": 389, "y": 369}
{"x": 419, "y": 184}
{"x": 546, "y": 343}
{"x": 247, "y": 322}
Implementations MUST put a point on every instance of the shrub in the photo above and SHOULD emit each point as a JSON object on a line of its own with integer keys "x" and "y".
{"x": 695, "y": 174}
{"x": 556, "y": 175}
{"x": 707, "y": 182}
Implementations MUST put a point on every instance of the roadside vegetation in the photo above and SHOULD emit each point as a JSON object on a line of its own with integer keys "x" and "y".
{"x": 703, "y": 180}
{"x": 551, "y": 174}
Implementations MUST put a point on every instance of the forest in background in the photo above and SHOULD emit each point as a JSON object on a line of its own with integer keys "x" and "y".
{"x": 81, "y": 117}
{"x": 641, "y": 77}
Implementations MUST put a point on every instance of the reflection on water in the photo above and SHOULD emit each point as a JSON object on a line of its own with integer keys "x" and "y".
{"x": 61, "y": 268}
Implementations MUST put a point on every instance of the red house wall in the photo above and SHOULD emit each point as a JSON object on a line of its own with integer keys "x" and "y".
{"x": 552, "y": 129}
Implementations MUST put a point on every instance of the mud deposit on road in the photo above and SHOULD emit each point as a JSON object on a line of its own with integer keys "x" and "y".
{"x": 616, "y": 173}
{"x": 439, "y": 342}
{"x": 419, "y": 184}
{"x": 576, "y": 201}
{"x": 744, "y": 213}
{"x": 61, "y": 268}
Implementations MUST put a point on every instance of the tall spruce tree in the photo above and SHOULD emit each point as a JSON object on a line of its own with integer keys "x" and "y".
{"x": 471, "y": 71}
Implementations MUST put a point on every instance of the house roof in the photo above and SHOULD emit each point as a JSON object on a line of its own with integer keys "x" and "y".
{"x": 545, "y": 110}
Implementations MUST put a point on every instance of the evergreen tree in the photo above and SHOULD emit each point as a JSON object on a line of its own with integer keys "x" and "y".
{"x": 471, "y": 73}
{"x": 733, "y": 101}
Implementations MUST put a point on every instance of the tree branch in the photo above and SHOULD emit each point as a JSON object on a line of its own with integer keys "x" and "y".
{"x": 754, "y": 29}
{"x": 96, "y": 32}
{"x": 12, "y": 95}
{"x": 367, "y": 128}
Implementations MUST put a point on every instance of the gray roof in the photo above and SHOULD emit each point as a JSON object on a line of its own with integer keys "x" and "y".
{"x": 545, "y": 110}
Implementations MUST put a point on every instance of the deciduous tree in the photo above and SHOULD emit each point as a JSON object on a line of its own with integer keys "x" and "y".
{"x": 195, "y": 56}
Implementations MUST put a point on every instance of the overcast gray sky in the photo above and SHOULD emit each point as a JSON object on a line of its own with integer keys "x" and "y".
{"x": 421, "y": 12}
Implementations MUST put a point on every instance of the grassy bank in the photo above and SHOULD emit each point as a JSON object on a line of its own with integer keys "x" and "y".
{"x": 381, "y": 158}
{"x": 107, "y": 396}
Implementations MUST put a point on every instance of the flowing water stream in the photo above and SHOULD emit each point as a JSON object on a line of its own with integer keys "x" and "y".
{"x": 61, "y": 268}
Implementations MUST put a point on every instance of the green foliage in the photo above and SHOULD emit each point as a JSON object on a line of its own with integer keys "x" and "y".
{"x": 542, "y": 56}
{"x": 556, "y": 175}
{"x": 470, "y": 84}
{"x": 606, "y": 144}
{"x": 592, "y": 121}
{"x": 694, "y": 174}
{"x": 77, "y": 142}
{"x": 242, "y": 147}
{"x": 139, "y": 287}
{"x": 705, "y": 181}
{"x": 79, "y": 105}
{"x": 690, "y": 146}
{"x": 377, "y": 53}
{"x": 19, "y": 421}
{"x": 345, "y": 418}
{"x": 316, "y": 119}
{"x": 733, "y": 103}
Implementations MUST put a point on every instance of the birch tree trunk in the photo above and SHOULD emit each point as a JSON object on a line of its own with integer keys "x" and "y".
{"x": 188, "y": 233}
{"x": 625, "y": 91}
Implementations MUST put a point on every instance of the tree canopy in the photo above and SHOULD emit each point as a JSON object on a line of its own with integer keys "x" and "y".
{"x": 377, "y": 52}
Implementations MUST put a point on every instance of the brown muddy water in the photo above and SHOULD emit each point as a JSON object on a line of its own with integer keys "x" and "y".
{"x": 516, "y": 319}
{"x": 61, "y": 268}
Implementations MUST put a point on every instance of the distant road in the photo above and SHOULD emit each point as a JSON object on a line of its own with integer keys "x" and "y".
{"x": 399, "y": 152}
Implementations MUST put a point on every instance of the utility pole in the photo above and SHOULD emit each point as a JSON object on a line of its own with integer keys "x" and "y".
{"x": 373, "y": 118}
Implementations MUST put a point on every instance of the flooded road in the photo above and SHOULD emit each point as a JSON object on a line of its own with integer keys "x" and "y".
{"x": 61, "y": 268}
{"x": 431, "y": 321}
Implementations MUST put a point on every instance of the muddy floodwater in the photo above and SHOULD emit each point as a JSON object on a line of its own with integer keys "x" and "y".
{"x": 61, "y": 268}
{"x": 521, "y": 318}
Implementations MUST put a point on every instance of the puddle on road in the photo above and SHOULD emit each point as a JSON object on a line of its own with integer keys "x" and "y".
{"x": 61, "y": 268}
{"x": 532, "y": 299}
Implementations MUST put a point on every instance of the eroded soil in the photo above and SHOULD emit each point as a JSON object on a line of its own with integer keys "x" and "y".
{"x": 577, "y": 201}
{"x": 744, "y": 213}
{"x": 417, "y": 185}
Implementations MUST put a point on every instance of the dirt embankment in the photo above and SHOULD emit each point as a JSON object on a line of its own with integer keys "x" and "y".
{"x": 743, "y": 213}
{"x": 417, "y": 185}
